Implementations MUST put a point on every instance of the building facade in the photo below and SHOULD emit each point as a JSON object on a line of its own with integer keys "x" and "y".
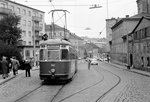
{"x": 109, "y": 23}
{"x": 119, "y": 46}
{"x": 32, "y": 25}
{"x": 143, "y": 6}
{"x": 140, "y": 44}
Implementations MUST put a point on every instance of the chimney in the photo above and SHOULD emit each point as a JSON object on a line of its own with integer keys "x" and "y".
{"x": 127, "y": 16}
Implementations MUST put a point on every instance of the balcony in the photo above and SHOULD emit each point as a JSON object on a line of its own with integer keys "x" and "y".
{"x": 35, "y": 18}
{"x": 38, "y": 28}
{"x": 5, "y": 11}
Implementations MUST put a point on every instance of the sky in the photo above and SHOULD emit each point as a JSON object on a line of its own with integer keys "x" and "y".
{"x": 81, "y": 20}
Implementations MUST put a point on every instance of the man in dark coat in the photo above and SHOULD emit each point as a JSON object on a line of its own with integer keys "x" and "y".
{"x": 27, "y": 65}
{"x": 4, "y": 65}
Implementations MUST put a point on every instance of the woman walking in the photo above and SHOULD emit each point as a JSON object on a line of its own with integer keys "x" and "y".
{"x": 4, "y": 65}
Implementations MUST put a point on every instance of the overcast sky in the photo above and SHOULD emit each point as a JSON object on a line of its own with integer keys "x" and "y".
{"x": 81, "y": 17}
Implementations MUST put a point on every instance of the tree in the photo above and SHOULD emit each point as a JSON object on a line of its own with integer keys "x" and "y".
{"x": 9, "y": 36}
{"x": 9, "y": 30}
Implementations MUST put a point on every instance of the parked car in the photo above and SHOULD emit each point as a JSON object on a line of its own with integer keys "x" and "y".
{"x": 94, "y": 62}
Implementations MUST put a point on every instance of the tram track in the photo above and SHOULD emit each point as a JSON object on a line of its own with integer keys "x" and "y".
{"x": 19, "y": 99}
{"x": 100, "y": 97}
{"x": 110, "y": 89}
{"x": 82, "y": 90}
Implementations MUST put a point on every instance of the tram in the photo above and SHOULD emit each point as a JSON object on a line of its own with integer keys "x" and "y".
{"x": 58, "y": 60}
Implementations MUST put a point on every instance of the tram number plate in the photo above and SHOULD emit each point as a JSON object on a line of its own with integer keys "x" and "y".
{"x": 52, "y": 65}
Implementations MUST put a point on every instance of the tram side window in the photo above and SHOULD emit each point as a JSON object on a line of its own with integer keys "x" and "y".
{"x": 64, "y": 55}
{"x": 41, "y": 54}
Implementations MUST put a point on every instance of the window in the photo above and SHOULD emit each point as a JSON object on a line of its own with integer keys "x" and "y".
{"x": 24, "y": 12}
{"x": 53, "y": 55}
{"x": 148, "y": 32}
{"x": 41, "y": 16}
{"x": 24, "y": 42}
{"x": 148, "y": 61}
{"x": 64, "y": 54}
{"x": 29, "y": 32}
{"x": 24, "y": 22}
{"x": 18, "y": 11}
{"x": 29, "y": 13}
{"x": 3, "y": 5}
{"x": 24, "y": 33}
{"x": 135, "y": 36}
{"x": 12, "y": 8}
{"x": 41, "y": 54}
{"x": 29, "y": 23}
{"x": 29, "y": 42}
{"x": 27, "y": 53}
{"x": 145, "y": 32}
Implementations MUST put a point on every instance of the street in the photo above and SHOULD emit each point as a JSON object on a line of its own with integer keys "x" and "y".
{"x": 102, "y": 83}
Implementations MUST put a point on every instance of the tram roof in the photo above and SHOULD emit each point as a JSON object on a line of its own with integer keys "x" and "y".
{"x": 55, "y": 41}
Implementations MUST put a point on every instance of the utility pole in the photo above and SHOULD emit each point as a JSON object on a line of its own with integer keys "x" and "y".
{"x": 107, "y": 10}
{"x": 34, "y": 49}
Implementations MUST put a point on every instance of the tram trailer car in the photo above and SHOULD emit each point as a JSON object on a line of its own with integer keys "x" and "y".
{"x": 58, "y": 60}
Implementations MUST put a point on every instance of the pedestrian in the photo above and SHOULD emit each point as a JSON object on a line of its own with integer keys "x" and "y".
{"x": 15, "y": 65}
{"x": 108, "y": 58}
{"x": 89, "y": 64}
{"x": 27, "y": 65}
{"x": 4, "y": 65}
{"x": 9, "y": 65}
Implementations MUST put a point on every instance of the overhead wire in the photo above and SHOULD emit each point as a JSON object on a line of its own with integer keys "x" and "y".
{"x": 57, "y": 13}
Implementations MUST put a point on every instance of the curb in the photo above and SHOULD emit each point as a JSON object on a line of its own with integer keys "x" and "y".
{"x": 130, "y": 70}
{"x": 6, "y": 80}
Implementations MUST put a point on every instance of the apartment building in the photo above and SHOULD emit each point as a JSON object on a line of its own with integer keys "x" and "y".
{"x": 32, "y": 25}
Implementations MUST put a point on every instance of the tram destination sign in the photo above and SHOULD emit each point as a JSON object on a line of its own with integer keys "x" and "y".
{"x": 53, "y": 47}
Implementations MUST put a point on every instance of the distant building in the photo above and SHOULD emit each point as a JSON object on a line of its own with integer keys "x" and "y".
{"x": 32, "y": 25}
{"x": 58, "y": 32}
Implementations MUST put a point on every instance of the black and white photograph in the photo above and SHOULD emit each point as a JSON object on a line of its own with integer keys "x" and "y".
{"x": 74, "y": 50}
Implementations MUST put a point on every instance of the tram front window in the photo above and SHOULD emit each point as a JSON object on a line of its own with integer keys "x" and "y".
{"x": 53, "y": 55}
{"x": 64, "y": 55}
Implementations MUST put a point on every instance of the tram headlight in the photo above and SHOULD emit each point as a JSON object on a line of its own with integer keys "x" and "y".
{"x": 53, "y": 70}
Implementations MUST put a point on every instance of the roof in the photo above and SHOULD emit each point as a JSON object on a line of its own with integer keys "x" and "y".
{"x": 55, "y": 41}
{"x": 125, "y": 19}
{"x": 146, "y": 17}
{"x": 140, "y": 15}
{"x": 24, "y": 5}
{"x": 134, "y": 17}
{"x": 74, "y": 36}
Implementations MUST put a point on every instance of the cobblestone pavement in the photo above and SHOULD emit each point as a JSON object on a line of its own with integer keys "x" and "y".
{"x": 137, "y": 90}
{"x": 14, "y": 89}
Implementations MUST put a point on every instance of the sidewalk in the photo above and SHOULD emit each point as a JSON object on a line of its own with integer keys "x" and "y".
{"x": 11, "y": 76}
{"x": 131, "y": 69}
